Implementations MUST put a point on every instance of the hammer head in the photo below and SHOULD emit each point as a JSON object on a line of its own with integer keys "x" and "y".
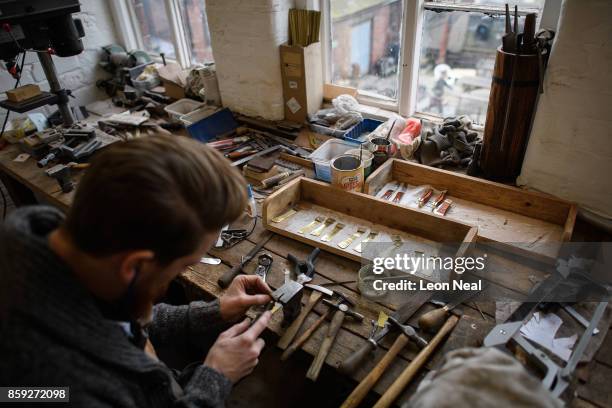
{"x": 408, "y": 331}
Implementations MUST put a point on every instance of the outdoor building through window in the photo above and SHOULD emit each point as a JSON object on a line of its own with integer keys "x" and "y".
{"x": 366, "y": 40}
{"x": 193, "y": 13}
{"x": 154, "y": 27}
{"x": 456, "y": 50}
{"x": 176, "y": 28}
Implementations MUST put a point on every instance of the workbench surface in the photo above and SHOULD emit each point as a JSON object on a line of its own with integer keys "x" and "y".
{"x": 200, "y": 281}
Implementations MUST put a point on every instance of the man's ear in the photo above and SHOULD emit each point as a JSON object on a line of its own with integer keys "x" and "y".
{"x": 132, "y": 262}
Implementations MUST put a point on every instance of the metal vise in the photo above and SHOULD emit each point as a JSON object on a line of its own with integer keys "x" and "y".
{"x": 290, "y": 296}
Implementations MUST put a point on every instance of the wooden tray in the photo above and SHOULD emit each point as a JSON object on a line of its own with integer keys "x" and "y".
{"x": 530, "y": 221}
{"x": 418, "y": 230}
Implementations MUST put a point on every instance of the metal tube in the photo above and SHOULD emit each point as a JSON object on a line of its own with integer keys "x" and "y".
{"x": 54, "y": 84}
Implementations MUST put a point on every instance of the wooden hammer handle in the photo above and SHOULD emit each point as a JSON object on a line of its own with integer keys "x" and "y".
{"x": 292, "y": 330}
{"x": 326, "y": 345}
{"x": 415, "y": 365}
{"x": 350, "y": 364}
{"x": 305, "y": 336}
{"x": 372, "y": 378}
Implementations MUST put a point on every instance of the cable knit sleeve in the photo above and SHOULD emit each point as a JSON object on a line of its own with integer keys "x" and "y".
{"x": 193, "y": 321}
{"x": 206, "y": 388}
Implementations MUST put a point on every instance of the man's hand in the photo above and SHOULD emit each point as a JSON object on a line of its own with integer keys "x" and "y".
{"x": 236, "y": 351}
{"x": 244, "y": 292}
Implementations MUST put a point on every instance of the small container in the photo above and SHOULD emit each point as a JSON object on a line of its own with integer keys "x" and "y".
{"x": 347, "y": 173}
{"x": 197, "y": 115}
{"x": 366, "y": 159}
{"x": 327, "y": 151}
{"x": 360, "y": 132}
{"x": 182, "y": 107}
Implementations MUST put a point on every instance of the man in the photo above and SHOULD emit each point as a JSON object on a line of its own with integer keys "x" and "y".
{"x": 76, "y": 292}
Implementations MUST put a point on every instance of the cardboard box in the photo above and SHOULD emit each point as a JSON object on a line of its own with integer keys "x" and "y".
{"x": 302, "y": 75}
{"x": 23, "y": 92}
{"x": 174, "y": 79}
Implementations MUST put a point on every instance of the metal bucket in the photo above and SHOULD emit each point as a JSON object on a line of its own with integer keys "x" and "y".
{"x": 347, "y": 172}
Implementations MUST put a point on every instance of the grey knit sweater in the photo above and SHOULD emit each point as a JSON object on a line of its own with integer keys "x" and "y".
{"x": 52, "y": 332}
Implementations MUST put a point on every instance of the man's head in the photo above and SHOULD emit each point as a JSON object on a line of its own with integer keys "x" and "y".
{"x": 148, "y": 208}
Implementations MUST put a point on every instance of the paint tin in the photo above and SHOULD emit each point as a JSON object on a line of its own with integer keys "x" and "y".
{"x": 347, "y": 172}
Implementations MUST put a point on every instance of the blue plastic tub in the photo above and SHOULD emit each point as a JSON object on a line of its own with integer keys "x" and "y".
{"x": 356, "y": 133}
{"x": 217, "y": 124}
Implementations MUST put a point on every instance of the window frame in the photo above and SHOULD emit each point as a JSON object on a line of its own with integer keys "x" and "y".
{"x": 411, "y": 32}
{"x": 129, "y": 32}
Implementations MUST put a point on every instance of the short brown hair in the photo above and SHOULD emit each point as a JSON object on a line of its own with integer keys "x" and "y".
{"x": 161, "y": 193}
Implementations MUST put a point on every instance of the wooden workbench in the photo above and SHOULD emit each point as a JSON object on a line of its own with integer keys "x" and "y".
{"x": 200, "y": 282}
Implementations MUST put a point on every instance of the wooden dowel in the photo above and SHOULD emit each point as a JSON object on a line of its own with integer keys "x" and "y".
{"x": 305, "y": 336}
{"x": 415, "y": 365}
{"x": 372, "y": 378}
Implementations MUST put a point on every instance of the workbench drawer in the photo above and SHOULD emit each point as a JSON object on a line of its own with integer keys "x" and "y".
{"x": 427, "y": 233}
{"x": 530, "y": 221}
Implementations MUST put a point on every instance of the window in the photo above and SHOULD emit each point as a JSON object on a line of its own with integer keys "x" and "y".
{"x": 365, "y": 45}
{"x": 415, "y": 56}
{"x": 154, "y": 27}
{"x": 193, "y": 13}
{"x": 176, "y": 28}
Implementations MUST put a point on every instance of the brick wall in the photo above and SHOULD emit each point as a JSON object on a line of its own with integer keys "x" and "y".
{"x": 245, "y": 36}
{"x": 570, "y": 149}
{"x": 78, "y": 73}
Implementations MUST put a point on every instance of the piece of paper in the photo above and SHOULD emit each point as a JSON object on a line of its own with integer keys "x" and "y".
{"x": 293, "y": 105}
{"x": 541, "y": 329}
{"x": 21, "y": 158}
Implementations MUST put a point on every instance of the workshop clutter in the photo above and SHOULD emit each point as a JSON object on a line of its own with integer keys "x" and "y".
{"x": 451, "y": 143}
{"x": 337, "y": 120}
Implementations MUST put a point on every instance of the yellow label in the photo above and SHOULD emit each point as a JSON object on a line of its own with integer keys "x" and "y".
{"x": 382, "y": 319}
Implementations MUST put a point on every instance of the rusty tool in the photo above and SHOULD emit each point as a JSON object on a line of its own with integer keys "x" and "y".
{"x": 415, "y": 365}
{"x": 407, "y": 333}
{"x": 334, "y": 327}
{"x": 317, "y": 293}
{"x": 401, "y": 315}
{"x": 304, "y": 270}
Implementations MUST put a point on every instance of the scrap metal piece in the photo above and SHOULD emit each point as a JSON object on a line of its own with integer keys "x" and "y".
{"x": 371, "y": 236}
{"x": 331, "y": 234}
{"x": 289, "y": 213}
{"x": 400, "y": 193}
{"x": 349, "y": 240}
{"x": 307, "y": 228}
{"x": 424, "y": 197}
{"x": 443, "y": 208}
{"x": 317, "y": 231}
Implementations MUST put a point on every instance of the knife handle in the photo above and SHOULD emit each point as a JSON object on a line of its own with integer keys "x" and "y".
{"x": 350, "y": 364}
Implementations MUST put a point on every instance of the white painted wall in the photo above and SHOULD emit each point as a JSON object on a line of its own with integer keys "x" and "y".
{"x": 78, "y": 73}
{"x": 245, "y": 37}
{"x": 570, "y": 150}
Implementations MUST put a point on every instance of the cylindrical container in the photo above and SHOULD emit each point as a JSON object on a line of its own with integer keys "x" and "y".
{"x": 512, "y": 100}
{"x": 347, "y": 172}
{"x": 366, "y": 160}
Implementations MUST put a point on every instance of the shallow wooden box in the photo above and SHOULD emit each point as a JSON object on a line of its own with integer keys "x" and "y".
{"x": 418, "y": 230}
{"x": 527, "y": 220}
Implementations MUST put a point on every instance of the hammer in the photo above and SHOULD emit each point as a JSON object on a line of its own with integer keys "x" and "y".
{"x": 333, "y": 329}
{"x": 316, "y": 295}
{"x": 407, "y": 333}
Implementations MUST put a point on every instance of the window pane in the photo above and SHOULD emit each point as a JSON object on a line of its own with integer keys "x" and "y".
{"x": 456, "y": 62}
{"x": 193, "y": 13}
{"x": 154, "y": 26}
{"x": 536, "y": 4}
{"x": 366, "y": 45}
